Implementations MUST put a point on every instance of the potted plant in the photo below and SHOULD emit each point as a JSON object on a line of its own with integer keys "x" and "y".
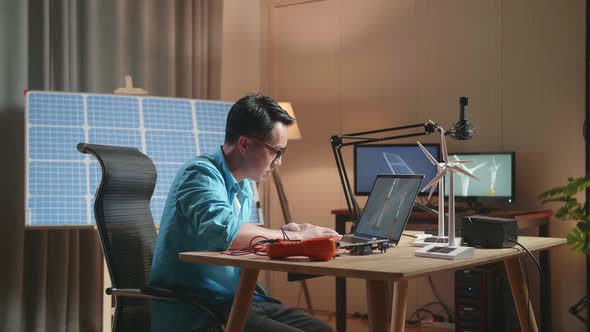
{"x": 572, "y": 209}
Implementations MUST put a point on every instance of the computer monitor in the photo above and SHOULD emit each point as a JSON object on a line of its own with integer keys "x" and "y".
{"x": 373, "y": 159}
{"x": 495, "y": 171}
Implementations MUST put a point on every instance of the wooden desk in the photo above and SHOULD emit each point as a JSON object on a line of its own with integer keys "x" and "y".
{"x": 421, "y": 221}
{"x": 398, "y": 265}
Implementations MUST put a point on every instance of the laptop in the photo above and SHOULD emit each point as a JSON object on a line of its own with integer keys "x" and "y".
{"x": 387, "y": 210}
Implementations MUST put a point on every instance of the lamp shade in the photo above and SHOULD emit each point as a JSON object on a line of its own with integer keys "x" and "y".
{"x": 294, "y": 133}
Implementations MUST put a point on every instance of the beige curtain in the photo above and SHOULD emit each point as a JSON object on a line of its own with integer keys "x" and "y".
{"x": 52, "y": 278}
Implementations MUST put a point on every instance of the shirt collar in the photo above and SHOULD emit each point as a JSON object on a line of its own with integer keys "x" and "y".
{"x": 231, "y": 184}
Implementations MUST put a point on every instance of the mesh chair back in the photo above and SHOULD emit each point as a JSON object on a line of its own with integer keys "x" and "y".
{"x": 126, "y": 226}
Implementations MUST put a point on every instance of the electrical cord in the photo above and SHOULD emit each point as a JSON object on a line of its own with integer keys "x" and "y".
{"x": 526, "y": 275}
{"x": 541, "y": 275}
{"x": 257, "y": 248}
{"x": 450, "y": 313}
{"x": 534, "y": 260}
{"x": 410, "y": 322}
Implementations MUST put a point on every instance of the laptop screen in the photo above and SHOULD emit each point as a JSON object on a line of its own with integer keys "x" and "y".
{"x": 388, "y": 206}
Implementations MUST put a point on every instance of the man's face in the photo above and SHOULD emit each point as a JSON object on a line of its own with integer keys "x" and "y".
{"x": 266, "y": 153}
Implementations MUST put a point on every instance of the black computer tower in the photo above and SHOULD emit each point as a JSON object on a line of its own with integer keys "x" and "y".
{"x": 483, "y": 300}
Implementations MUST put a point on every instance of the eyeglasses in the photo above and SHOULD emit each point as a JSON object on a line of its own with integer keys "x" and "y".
{"x": 278, "y": 152}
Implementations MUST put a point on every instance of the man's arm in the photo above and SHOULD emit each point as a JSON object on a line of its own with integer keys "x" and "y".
{"x": 248, "y": 231}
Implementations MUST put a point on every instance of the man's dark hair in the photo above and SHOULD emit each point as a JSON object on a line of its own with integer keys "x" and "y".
{"x": 254, "y": 115}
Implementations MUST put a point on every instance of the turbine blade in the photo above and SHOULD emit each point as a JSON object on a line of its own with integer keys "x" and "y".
{"x": 473, "y": 169}
{"x": 434, "y": 181}
{"x": 461, "y": 170}
{"x": 463, "y": 161}
{"x": 431, "y": 192}
{"x": 428, "y": 155}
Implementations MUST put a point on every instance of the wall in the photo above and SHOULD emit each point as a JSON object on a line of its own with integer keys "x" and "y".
{"x": 242, "y": 48}
{"x": 356, "y": 65}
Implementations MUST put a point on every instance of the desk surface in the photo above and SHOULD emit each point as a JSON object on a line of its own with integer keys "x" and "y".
{"x": 398, "y": 263}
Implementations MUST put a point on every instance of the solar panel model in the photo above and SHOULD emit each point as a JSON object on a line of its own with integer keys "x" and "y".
{"x": 60, "y": 182}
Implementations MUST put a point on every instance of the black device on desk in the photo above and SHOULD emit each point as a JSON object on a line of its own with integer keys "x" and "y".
{"x": 489, "y": 232}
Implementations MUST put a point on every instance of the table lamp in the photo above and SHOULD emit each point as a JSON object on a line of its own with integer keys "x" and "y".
{"x": 294, "y": 133}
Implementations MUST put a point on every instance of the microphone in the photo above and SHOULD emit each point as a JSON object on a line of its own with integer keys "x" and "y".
{"x": 462, "y": 130}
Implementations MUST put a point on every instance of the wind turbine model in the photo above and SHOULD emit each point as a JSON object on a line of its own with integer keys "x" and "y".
{"x": 448, "y": 249}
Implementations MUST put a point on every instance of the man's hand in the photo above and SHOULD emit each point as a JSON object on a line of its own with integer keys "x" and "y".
{"x": 294, "y": 232}
{"x": 292, "y": 227}
{"x": 309, "y": 231}
{"x": 312, "y": 231}
{"x": 295, "y": 227}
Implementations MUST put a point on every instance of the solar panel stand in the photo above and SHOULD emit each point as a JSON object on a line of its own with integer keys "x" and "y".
{"x": 129, "y": 89}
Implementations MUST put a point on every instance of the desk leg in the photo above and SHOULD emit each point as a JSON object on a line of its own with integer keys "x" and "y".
{"x": 545, "y": 288}
{"x": 398, "y": 307}
{"x": 340, "y": 304}
{"x": 241, "y": 304}
{"x": 377, "y": 304}
{"x": 524, "y": 309}
{"x": 340, "y": 285}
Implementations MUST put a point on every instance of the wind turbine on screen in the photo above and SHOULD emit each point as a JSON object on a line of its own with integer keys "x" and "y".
{"x": 444, "y": 167}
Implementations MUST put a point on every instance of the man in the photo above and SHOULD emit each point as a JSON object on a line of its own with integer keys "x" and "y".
{"x": 208, "y": 207}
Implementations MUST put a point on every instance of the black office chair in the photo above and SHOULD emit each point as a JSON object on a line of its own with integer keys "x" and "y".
{"x": 128, "y": 235}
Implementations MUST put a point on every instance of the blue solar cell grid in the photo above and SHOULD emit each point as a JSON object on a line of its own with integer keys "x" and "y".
{"x": 211, "y": 116}
{"x": 209, "y": 142}
{"x": 47, "y": 143}
{"x": 170, "y": 146}
{"x": 113, "y": 111}
{"x": 62, "y": 182}
{"x": 58, "y": 110}
{"x": 121, "y": 137}
{"x": 172, "y": 114}
{"x": 45, "y": 179}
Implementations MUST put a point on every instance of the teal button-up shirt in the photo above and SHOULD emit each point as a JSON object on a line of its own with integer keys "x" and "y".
{"x": 200, "y": 214}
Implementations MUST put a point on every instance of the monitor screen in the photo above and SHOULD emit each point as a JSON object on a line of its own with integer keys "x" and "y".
{"x": 371, "y": 160}
{"x": 494, "y": 170}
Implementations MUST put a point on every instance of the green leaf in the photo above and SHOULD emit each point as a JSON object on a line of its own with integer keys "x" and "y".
{"x": 552, "y": 192}
{"x": 572, "y": 209}
{"x": 556, "y": 199}
{"x": 576, "y": 239}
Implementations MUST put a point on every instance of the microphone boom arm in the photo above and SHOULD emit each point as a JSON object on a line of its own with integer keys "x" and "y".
{"x": 337, "y": 142}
